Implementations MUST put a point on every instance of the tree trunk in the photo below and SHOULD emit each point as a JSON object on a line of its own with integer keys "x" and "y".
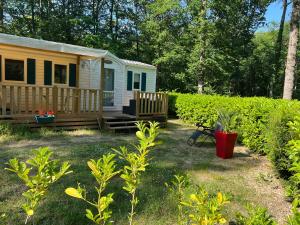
{"x": 202, "y": 39}
{"x": 200, "y": 86}
{"x": 292, "y": 50}
{"x": 33, "y": 27}
{"x": 111, "y": 20}
{"x": 278, "y": 48}
{"x": 1, "y": 15}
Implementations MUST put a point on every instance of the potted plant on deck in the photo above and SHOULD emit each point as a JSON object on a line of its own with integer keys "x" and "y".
{"x": 45, "y": 117}
{"x": 226, "y": 138}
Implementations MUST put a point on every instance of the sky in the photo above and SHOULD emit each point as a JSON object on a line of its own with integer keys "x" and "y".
{"x": 274, "y": 12}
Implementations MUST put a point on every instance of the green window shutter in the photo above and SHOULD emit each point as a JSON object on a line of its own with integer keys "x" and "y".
{"x": 129, "y": 80}
{"x": 31, "y": 71}
{"x": 0, "y": 68}
{"x": 47, "y": 73}
{"x": 144, "y": 78}
{"x": 72, "y": 75}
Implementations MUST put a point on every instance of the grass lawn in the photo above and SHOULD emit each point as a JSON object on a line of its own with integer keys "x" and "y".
{"x": 247, "y": 178}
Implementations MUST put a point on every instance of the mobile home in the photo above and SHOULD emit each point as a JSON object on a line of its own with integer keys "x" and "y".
{"x": 73, "y": 81}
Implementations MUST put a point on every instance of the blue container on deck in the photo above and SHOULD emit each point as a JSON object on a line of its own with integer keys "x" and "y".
{"x": 44, "y": 118}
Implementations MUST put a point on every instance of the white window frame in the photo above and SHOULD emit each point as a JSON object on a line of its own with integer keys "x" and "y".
{"x": 140, "y": 82}
{"x": 53, "y": 74}
{"x": 4, "y": 72}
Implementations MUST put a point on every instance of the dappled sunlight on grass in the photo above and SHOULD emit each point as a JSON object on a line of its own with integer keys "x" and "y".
{"x": 236, "y": 177}
{"x": 81, "y": 133}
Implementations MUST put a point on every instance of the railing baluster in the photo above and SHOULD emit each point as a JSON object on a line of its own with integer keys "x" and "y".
{"x": 47, "y": 99}
{"x": 67, "y": 104}
{"x": 4, "y": 96}
{"x": 100, "y": 106}
{"x": 90, "y": 101}
{"x": 33, "y": 90}
{"x": 26, "y": 100}
{"x": 19, "y": 101}
{"x": 94, "y": 101}
{"x": 74, "y": 100}
{"x": 62, "y": 99}
{"x": 79, "y": 100}
{"x": 55, "y": 98}
{"x": 11, "y": 95}
{"x": 40, "y": 99}
{"x": 84, "y": 101}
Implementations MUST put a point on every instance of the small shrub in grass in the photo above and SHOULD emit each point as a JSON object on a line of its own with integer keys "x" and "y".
{"x": 177, "y": 188}
{"x": 103, "y": 170}
{"x": 199, "y": 207}
{"x": 205, "y": 209}
{"x": 5, "y": 128}
{"x": 38, "y": 173}
{"x": 255, "y": 216}
{"x": 137, "y": 161}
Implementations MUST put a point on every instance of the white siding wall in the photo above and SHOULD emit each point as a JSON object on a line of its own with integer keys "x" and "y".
{"x": 150, "y": 81}
{"x": 89, "y": 77}
{"x": 118, "y": 84}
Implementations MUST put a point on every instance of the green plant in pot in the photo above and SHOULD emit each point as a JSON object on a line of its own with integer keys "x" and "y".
{"x": 226, "y": 138}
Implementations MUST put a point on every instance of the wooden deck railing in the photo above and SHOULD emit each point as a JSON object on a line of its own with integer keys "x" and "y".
{"x": 148, "y": 103}
{"x": 20, "y": 99}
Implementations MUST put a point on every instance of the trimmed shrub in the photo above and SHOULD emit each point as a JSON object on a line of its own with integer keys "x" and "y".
{"x": 266, "y": 126}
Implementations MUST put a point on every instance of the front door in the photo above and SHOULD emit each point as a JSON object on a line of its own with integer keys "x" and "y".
{"x": 109, "y": 86}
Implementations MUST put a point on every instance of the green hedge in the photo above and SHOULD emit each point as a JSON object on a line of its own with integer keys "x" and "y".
{"x": 264, "y": 124}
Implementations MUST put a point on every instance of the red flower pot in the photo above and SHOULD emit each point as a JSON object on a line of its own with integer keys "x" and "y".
{"x": 225, "y": 144}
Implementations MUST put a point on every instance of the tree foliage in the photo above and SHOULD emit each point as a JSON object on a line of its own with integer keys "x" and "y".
{"x": 213, "y": 42}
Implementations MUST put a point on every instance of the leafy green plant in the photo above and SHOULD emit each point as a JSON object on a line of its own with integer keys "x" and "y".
{"x": 255, "y": 216}
{"x": 294, "y": 219}
{"x": 228, "y": 120}
{"x": 177, "y": 187}
{"x": 205, "y": 209}
{"x": 103, "y": 170}
{"x": 38, "y": 173}
{"x": 137, "y": 161}
{"x": 293, "y": 151}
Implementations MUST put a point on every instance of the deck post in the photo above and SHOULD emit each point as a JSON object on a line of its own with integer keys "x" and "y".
{"x": 137, "y": 110}
{"x": 77, "y": 101}
{"x": 101, "y": 87}
{"x": 167, "y": 104}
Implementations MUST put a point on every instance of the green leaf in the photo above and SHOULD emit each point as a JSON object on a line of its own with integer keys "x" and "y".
{"x": 73, "y": 192}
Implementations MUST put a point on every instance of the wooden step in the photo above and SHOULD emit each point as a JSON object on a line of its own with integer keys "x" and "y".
{"x": 120, "y": 122}
{"x": 63, "y": 124}
{"x": 121, "y": 128}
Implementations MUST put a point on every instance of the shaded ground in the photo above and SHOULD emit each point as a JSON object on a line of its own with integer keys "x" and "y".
{"x": 247, "y": 178}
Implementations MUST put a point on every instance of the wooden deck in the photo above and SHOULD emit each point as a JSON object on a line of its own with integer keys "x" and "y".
{"x": 75, "y": 108}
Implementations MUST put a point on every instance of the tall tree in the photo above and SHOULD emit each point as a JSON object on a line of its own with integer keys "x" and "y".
{"x": 292, "y": 51}
{"x": 1, "y": 15}
{"x": 278, "y": 48}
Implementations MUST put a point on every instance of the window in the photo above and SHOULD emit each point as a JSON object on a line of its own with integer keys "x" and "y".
{"x": 14, "y": 70}
{"x": 109, "y": 77}
{"x": 136, "y": 81}
{"x": 60, "y": 74}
